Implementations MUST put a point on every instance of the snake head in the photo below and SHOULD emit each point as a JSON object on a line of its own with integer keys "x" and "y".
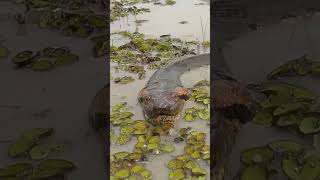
{"x": 183, "y": 93}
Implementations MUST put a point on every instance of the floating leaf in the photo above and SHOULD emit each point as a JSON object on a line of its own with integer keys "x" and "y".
{"x": 188, "y": 117}
{"x": 121, "y": 155}
{"x": 123, "y": 139}
{"x": 290, "y": 167}
{"x": 152, "y": 146}
{"x": 66, "y": 59}
{"x": 38, "y": 133}
{"x": 254, "y": 172}
{"x": 39, "y": 152}
{"x": 145, "y": 173}
{"x": 257, "y": 155}
{"x": 20, "y": 147}
{"x": 198, "y": 171}
{"x": 122, "y": 174}
{"x": 42, "y": 65}
{"x": 263, "y": 118}
{"x": 137, "y": 168}
{"x": 286, "y": 146}
{"x": 177, "y": 174}
{"x": 18, "y": 169}
{"x": 168, "y": 148}
{"x": 3, "y": 52}
{"x": 288, "y": 120}
{"x": 175, "y": 164}
{"x": 126, "y": 130}
{"x": 310, "y": 125}
{"x": 287, "y": 108}
{"x": 46, "y": 173}
{"x": 154, "y": 139}
{"x": 55, "y": 164}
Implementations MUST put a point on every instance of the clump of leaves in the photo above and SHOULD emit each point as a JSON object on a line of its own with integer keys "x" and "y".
{"x": 124, "y": 80}
{"x": 45, "y": 59}
{"x": 186, "y": 165}
{"x": 200, "y": 111}
{"x": 298, "y": 161}
{"x": 4, "y": 52}
{"x": 287, "y": 105}
{"x": 148, "y": 51}
{"x": 44, "y": 169}
{"x": 170, "y": 2}
{"x": 122, "y": 118}
{"x": 120, "y": 9}
{"x": 126, "y": 165}
{"x": 200, "y": 94}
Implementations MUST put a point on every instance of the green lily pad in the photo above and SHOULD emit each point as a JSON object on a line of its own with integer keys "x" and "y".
{"x": 177, "y": 174}
{"x": 291, "y": 168}
{"x": 126, "y": 130}
{"x": 55, "y": 164}
{"x": 316, "y": 141}
{"x": 188, "y": 117}
{"x": 198, "y": 171}
{"x": 42, "y": 65}
{"x": 123, "y": 139}
{"x": 3, "y": 52}
{"x": 175, "y": 164}
{"x": 288, "y": 120}
{"x": 145, "y": 173}
{"x": 286, "y": 146}
{"x": 152, "y": 146}
{"x": 122, "y": 173}
{"x": 39, "y": 152}
{"x": 254, "y": 172}
{"x": 16, "y": 170}
{"x": 167, "y": 148}
{"x": 20, "y": 147}
{"x": 37, "y": 133}
{"x": 137, "y": 168}
{"x": 264, "y": 118}
{"x": 154, "y": 139}
{"x": 310, "y": 125}
{"x": 257, "y": 155}
{"x": 287, "y": 108}
{"x": 121, "y": 155}
{"x": 46, "y": 173}
{"x": 66, "y": 59}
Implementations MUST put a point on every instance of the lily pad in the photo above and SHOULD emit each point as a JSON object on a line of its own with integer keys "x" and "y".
{"x": 3, "y": 52}
{"x": 291, "y": 168}
{"x": 287, "y": 108}
{"x": 42, "y": 65}
{"x": 188, "y": 117}
{"x": 16, "y": 170}
{"x": 137, "y": 168}
{"x": 20, "y": 147}
{"x": 257, "y": 155}
{"x": 123, "y": 139}
{"x": 286, "y": 146}
{"x": 122, "y": 174}
{"x": 37, "y": 133}
{"x": 264, "y": 118}
{"x": 310, "y": 125}
{"x": 55, "y": 164}
{"x": 39, "y": 152}
{"x": 167, "y": 148}
{"x": 66, "y": 59}
{"x": 175, "y": 164}
{"x": 254, "y": 172}
{"x": 288, "y": 120}
{"x": 177, "y": 174}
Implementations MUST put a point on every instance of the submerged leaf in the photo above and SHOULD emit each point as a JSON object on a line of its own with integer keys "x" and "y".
{"x": 310, "y": 125}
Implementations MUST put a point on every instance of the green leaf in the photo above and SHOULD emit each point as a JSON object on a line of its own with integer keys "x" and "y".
{"x": 20, "y": 147}
{"x": 310, "y": 125}
{"x": 39, "y": 152}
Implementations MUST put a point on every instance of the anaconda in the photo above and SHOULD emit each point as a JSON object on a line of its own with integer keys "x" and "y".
{"x": 163, "y": 98}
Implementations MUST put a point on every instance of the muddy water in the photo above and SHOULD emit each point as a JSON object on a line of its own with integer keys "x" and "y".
{"x": 163, "y": 20}
{"x": 262, "y": 52}
{"x": 62, "y": 96}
